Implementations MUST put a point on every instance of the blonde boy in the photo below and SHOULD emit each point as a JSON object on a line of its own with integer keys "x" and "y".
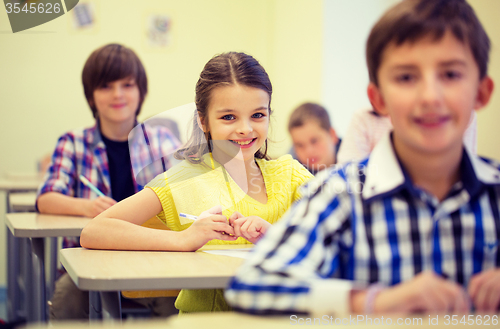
{"x": 415, "y": 227}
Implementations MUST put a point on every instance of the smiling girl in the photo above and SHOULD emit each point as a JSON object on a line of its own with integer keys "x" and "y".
{"x": 226, "y": 178}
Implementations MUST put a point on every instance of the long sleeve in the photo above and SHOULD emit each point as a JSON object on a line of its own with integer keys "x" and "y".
{"x": 291, "y": 268}
{"x": 60, "y": 176}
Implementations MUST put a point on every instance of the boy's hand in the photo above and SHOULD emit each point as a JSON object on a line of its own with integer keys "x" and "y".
{"x": 484, "y": 290}
{"x": 96, "y": 206}
{"x": 206, "y": 229}
{"x": 427, "y": 292}
{"x": 251, "y": 228}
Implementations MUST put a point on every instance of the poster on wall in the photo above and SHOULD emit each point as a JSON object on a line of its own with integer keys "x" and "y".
{"x": 158, "y": 31}
{"x": 84, "y": 18}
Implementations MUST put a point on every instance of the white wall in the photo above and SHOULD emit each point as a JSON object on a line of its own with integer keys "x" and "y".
{"x": 488, "y": 134}
{"x": 345, "y": 76}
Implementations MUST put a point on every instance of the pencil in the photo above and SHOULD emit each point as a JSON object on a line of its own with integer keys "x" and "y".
{"x": 91, "y": 186}
{"x": 188, "y": 216}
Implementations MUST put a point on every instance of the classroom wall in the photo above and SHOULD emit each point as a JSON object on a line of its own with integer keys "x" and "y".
{"x": 297, "y": 63}
{"x": 488, "y": 118}
{"x": 41, "y": 95}
{"x": 344, "y": 75}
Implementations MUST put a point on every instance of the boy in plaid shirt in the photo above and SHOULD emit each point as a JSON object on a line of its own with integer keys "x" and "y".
{"x": 115, "y": 86}
{"x": 416, "y": 226}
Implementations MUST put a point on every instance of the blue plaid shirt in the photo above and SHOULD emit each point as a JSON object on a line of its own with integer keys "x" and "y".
{"x": 365, "y": 222}
{"x": 82, "y": 152}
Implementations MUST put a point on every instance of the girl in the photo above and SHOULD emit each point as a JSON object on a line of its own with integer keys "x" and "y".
{"x": 225, "y": 169}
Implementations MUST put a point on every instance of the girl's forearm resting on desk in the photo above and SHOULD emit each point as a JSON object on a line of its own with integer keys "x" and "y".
{"x": 119, "y": 228}
{"x": 117, "y": 234}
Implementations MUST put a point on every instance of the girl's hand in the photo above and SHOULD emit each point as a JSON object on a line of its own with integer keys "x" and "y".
{"x": 217, "y": 210}
{"x": 484, "y": 290}
{"x": 96, "y": 206}
{"x": 427, "y": 292}
{"x": 206, "y": 229}
{"x": 251, "y": 228}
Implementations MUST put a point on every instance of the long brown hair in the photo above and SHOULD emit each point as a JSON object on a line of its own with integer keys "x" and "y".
{"x": 222, "y": 70}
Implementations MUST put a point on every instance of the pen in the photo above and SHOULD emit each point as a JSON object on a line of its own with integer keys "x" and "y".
{"x": 91, "y": 186}
{"x": 188, "y": 216}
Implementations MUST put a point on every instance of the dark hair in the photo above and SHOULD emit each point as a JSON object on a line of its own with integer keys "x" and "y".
{"x": 411, "y": 20}
{"x": 308, "y": 112}
{"x": 226, "y": 69}
{"x": 110, "y": 63}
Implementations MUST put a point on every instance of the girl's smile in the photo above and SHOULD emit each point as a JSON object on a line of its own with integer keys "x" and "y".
{"x": 245, "y": 143}
{"x": 240, "y": 115}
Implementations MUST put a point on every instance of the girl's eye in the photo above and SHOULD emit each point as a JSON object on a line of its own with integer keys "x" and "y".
{"x": 228, "y": 117}
{"x": 258, "y": 115}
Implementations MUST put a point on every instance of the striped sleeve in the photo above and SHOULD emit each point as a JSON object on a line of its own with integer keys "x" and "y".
{"x": 61, "y": 175}
{"x": 291, "y": 268}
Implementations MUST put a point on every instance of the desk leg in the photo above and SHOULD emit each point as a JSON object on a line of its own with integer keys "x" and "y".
{"x": 14, "y": 291}
{"x": 39, "y": 299}
{"x": 105, "y": 305}
{"x": 13, "y": 275}
{"x": 95, "y": 308}
{"x": 111, "y": 305}
{"x": 27, "y": 279}
{"x": 52, "y": 264}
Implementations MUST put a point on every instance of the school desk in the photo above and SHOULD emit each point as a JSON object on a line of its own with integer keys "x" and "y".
{"x": 36, "y": 227}
{"x": 19, "y": 184}
{"x": 106, "y": 272}
{"x": 22, "y": 201}
{"x": 15, "y": 183}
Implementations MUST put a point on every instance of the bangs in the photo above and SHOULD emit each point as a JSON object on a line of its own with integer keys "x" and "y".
{"x": 110, "y": 63}
{"x": 116, "y": 65}
{"x": 431, "y": 21}
{"x": 412, "y": 20}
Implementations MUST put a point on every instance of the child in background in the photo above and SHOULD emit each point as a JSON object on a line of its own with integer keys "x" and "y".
{"x": 368, "y": 126}
{"x": 315, "y": 143}
{"x": 225, "y": 173}
{"x": 115, "y": 86}
{"x": 416, "y": 226}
